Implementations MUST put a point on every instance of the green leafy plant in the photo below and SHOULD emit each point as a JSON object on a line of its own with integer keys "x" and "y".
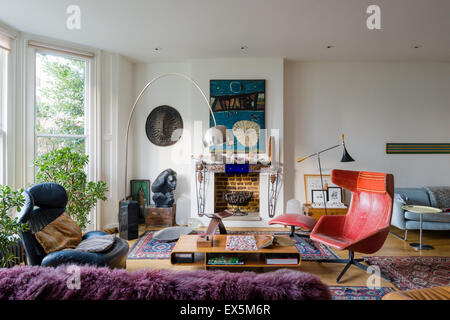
{"x": 67, "y": 168}
{"x": 9, "y": 226}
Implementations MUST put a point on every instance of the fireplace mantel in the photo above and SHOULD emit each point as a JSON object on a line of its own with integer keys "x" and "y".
{"x": 262, "y": 168}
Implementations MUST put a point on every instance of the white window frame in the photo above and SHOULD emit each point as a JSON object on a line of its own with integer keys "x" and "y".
{"x": 3, "y": 115}
{"x": 92, "y": 114}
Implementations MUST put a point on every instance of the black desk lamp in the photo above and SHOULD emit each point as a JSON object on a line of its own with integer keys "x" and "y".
{"x": 345, "y": 158}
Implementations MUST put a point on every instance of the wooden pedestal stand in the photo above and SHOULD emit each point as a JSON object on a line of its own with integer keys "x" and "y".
{"x": 160, "y": 217}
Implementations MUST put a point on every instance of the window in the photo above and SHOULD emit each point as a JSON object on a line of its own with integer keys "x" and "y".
{"x": 61, "y": 107}
{"x": 61, "y": 102}
{"x": 3, "y": 101}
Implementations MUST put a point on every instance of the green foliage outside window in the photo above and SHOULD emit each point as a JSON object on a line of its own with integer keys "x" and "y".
{"x": 60, "y": 102}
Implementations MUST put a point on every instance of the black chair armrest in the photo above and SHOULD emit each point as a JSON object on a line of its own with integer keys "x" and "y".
{"x": 55, "y": 259}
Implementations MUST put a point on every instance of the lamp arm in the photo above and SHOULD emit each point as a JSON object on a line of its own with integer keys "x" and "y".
{"x": 319, "y": 152}
{"x": 330, "y": 148}
{"x": 139, "y": 98}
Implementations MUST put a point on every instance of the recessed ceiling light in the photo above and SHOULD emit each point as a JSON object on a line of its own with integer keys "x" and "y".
{"x": 329, "y": 46}
{"x": 417, "y": 46}
{"x": 244, "y": 47}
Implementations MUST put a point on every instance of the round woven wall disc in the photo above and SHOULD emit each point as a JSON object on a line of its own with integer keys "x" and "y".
{"x": 164, "y": 126}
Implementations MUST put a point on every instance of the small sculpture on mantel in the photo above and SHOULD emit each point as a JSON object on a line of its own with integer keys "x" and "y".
{"x": 163, "y": 188}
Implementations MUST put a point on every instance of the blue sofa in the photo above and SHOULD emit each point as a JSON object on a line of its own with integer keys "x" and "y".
{"x": 429, "y": 196}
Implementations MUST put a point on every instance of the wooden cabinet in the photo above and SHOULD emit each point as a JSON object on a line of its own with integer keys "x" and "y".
{"x": 316, "y": 213}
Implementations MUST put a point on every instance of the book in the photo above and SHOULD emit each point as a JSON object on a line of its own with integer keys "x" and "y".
{"x": 276, "y": 240}
{"x": 225, "y": 260}
{"x": 266, "y": 242}
{"x": 241, "y": 243}
{"x": 281, "y": 259}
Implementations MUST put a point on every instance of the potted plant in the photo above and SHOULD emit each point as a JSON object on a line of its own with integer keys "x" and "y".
{"x": 67, "y": 168}
{"x": 9, "y": 226}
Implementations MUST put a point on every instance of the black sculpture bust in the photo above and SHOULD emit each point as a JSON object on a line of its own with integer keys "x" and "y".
{"x": 163, "y": 187}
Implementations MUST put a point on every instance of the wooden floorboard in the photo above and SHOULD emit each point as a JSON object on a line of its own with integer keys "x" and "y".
{"x": 328, "y": 272}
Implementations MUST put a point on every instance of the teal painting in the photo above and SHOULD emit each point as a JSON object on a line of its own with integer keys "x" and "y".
{"x": 240, "y": 106}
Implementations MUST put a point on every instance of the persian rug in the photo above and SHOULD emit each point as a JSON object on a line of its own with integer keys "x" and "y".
{"x": 45, "y": 283}
{"x": 358, "y": 293}
{"x": 147, "y": 248}
{"x": 410, "y": 273}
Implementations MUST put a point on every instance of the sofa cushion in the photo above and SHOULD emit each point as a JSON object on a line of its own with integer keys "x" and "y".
{"x": 401, "y": 198}
{"x": 416, "y": 196}
{"x": 62, "y": 233}
{"x": 439, "y": 196}
{"x": 427, "y": 225}
{"x": 435, "y": 217}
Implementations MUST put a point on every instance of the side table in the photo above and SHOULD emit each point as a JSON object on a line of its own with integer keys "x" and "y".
{"x": 316, "y": 213}
{"x": 421, "y": 210}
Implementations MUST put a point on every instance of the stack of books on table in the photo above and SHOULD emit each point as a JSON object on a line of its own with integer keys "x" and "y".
{"x": 281, "y": 259}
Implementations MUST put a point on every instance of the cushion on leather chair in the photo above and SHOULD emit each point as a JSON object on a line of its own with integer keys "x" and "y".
{"x": 96, "y": 244}
{"x": 62, "y": 233}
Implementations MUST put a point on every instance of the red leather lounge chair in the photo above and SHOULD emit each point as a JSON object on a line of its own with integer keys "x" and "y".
{"x": 365, "y": 227}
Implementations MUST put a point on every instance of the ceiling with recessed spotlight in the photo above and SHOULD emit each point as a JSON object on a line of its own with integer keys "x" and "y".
{"x": 307, "y": 30}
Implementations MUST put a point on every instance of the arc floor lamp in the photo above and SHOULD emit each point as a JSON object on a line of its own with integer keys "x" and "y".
{"x": 213, "y": 136}
{"x": 129, "y": 209}
{"x": 345, "y": 158}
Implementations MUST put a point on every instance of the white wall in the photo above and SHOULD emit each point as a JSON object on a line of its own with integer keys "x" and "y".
{"x": 117, "y": 85}
{"x": 148, "y": 160}
{"x": 372, "y": 103}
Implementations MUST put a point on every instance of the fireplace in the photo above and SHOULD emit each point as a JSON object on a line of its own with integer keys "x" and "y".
{"x": 236, "y": 182}
{"x": 213, "y": 180}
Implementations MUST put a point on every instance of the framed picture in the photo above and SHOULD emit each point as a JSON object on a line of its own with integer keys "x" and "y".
{"x": 240, "y": 106}
{"x": 312, "y": 182}
{"x": 136, "y": 186}
{"x": 335, "y": 194}
{"x": 318, "y": 196}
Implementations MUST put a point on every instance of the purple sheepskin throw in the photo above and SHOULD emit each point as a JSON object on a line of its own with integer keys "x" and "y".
{"x": 26, "y": 283}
